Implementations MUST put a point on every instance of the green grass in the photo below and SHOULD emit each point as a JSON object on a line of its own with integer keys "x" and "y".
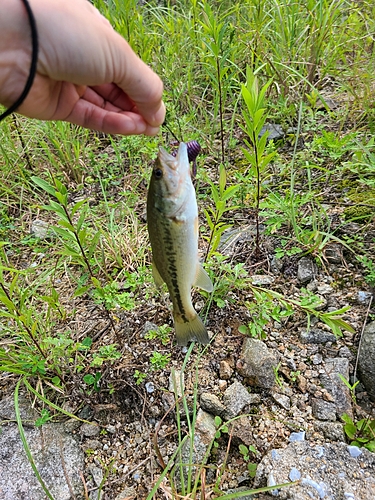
{"x": 227, "y": 67}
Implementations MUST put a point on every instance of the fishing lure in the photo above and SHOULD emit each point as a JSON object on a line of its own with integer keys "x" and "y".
{"x": 193, "y": 150}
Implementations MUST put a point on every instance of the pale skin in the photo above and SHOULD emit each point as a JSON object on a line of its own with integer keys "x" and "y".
{"x": 87, "y": 73}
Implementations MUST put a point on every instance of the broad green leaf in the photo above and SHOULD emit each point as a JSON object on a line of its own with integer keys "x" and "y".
{"x": 44, "y": 185}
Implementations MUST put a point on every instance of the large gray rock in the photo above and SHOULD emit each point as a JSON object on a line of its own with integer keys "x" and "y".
{"x": 193, "y": 451}
{"x": 366, "y": 359}
{"x": 333, "y": 383}
{"x": 257, "y": 363}
{"x": 56, "y": 454}
{"x": 329, "y": 472}
{"x": 323, "y": 410}
{"x": 212, "y": 404}
{"x": 316, "y": 336}
{"x": 235, "y": 398}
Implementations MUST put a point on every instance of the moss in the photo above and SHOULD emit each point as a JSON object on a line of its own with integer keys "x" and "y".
{"x": 351, "y": 213}
{"x": 366, "y": 196}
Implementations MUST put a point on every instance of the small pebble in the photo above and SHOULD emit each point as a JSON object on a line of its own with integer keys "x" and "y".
{"x": 317, "y": 359}
{"x": 320, "y": 488}
{"x": 90, "y": 430}
{"x": 150, "y": 387}
{"x": 364, "y": 297}
{"x": 271, "y": 482}
{"x": 294, "y": 474}
{"x": 297, "y": 436}
{"x": 354, "y": 451}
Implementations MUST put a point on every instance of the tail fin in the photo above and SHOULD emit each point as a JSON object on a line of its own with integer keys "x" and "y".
{"x": 187, "y": 331}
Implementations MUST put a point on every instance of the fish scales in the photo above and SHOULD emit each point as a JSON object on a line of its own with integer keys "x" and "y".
{"x": 172, "y": 220}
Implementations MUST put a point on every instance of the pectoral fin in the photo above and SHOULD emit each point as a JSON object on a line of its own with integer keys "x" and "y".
{"x": 202, "y": 280}
{"x": 156, "y": 275}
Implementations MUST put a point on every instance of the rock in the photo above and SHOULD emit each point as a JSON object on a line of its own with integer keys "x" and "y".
{"x": 90, "y": 430}
{"x": 128, "y": 493}
{"x": 326, "y": 472}
{"x": 223, "y": 384}
{"x": 312, "y": 286}
{"x": 86, "y": 413}
{"x": 324, "y": 289}
{"x": 345, "y": 352}
{"x": 235, "y": 398}
{"x": 235, "y": 236}
{"x": 302, "y": 383}
{"x": 242, "y": 430}
{"x": 306, "y": 270}
{"x": 225, "y": 370}
{"x": 297, "y": 436}
{"x": 257, "y": 363}
{"x": 204, "y": 434}
{"x": 148, "y": 326}
{"x": 262, "y": 279}
{"x": 177, "y": 381}
{"x": 331, "y": 430}
{"x": 317, "y": 359}
{"x": 335, "y": 386}
{"x": 276, "y": 265}
{"x": 91, "y": 444}
{"x": 97, "y": 474}
{"x": 282, "y": 400}
{"x": 333, "y": 253}
{"x": 275, "y": 131}
{"x": 323, "y": 410}
{"x": 150, "y": 387}
{"x": 211, "y": 403}
{"x": 39, "y": 229}
{"x": 316, "y": 336}
{"x": 71, "y": 425}
{"x": 364, "y": 298}
{"x": 323, "y": 303}
{"x": 56, "y": 454}
{"x": 366, "y": 359}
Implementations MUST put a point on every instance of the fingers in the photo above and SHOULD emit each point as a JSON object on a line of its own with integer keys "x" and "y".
{"x": 109, "y": 119}
{"x": 138, "y": 81}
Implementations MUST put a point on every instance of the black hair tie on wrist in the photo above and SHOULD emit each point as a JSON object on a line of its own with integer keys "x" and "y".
{"x": 34, "y": 60}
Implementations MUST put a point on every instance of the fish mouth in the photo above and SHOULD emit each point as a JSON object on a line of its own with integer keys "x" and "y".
{"x": 170, "y": 161}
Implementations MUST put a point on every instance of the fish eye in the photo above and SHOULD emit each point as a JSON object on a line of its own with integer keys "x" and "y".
{"x": 158, "y": 173}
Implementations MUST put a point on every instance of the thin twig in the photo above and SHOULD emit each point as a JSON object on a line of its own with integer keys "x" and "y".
{"x": 84, "y": 485}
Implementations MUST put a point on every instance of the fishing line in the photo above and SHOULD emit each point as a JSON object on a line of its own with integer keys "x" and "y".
{"x": 34, "y": 60}
{"x": 170, "y": 131}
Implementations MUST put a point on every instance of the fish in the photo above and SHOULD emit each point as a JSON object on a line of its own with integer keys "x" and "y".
{"x": 172, "y": 222}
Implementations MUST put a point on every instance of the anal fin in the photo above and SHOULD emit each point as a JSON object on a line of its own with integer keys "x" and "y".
{"x": 202, "y": 280}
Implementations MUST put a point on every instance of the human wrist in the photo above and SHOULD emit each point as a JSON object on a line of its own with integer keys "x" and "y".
{"x": 15, "y": 50}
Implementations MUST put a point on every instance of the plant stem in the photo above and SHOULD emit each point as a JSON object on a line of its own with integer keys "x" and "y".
{"x": 28, "y": 330}
{"x": 220, "y": 110}
{"x": 257, "y": 201}
{"x": 79, "y": 243}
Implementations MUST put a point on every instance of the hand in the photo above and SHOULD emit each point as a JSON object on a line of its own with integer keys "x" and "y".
{"x": 87, "y": 73}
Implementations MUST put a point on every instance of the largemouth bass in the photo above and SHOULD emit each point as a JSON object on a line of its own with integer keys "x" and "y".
{"x": 172, "y": 220}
